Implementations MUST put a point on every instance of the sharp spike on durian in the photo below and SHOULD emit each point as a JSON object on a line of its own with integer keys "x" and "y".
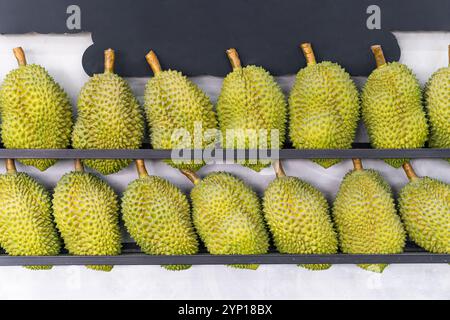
{"x": 141, "y": 169}
{"x": 109, "y": 60}
{"x": 20, "y": 56}
{"x": 309, "y": 54}
{"x": 153, "y": 62}
{"x": 379, "y": 56}
{"x": 233, "y": 56}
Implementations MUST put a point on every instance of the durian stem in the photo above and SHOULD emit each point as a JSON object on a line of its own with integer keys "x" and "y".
{"x": 309, "y": 54}
{"x": 233, "y": 56}
{"x": 141, "y": 169}
{"x": 191, "y": 175}
{"x": 20, "y": 56}
{"x": 153, "y": 61}
{"x": 409, "y": 170}
{"x": 10, "y": 166}
{"x": 278, "y": 167}
{"x": 449, "y": 55}
{"x": 109, "y": 60}
{"x": 78, "y": 165}
{"x": 379, "y": 56}
{"x": 357, "y": 164}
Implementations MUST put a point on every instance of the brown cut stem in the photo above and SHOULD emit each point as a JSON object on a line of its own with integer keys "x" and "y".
{"x": 153, "y": 61}
{"x": 20, "y": 56}
{"x": 78, "y": 165}
{"x": 233, "y": 56}
{"x": 191, "y": 175}
{"x": 109, "y": 60}
{"x": 141, "y": 169}
{"x": 379, "y": 55}
{"x": 309, "y": 53}
{"x": 278, "y": 167}
{"x": 409, "y": 170}
{"x": 10, "y": 166}
{"x": 357, "y": 164}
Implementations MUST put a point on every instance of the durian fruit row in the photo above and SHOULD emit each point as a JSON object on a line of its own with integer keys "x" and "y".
{"x": 224, "y": 214}
{"x": 323, "y": 109}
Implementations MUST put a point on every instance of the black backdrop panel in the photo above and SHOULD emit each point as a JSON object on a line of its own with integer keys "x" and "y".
{"x": 192, "y": 35}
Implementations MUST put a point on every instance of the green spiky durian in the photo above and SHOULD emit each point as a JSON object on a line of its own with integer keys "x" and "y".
{"x": 392, "y": 108}
{"x": 323, "y": 107}
{"x": 425, "y": 210}
{"x": 35, "y": 111}
{"x": 366, "y": 218}
{"x": 298, "y": 218}
{"x": 109, "y": 117}
{"x": 179, "y": 114}
{"x": 251, "y": 100}
{"x": 227, "y": 216}
{"x": 26, "y": 224}
{"x": 86, "y": 212}
{"x": 437, "y": 97}
{"x": 158, "y": 217}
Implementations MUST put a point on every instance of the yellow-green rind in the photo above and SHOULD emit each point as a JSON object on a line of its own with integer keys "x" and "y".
{"x": 35, "y": 112}
{"x": 424, "y": 205}
{"x": 437, "y": 98}
{"x": 252, "y": 100}
{"x": 86, "y": 212}
{"x": 299, "y": 220}
{"x": 227, "y": 216}
{"x": 26, "y": 224}
{"x": 174, "y": 105}
{"x": 365, "y": 216}
{"x": 392, "y": 110}
{"x": 324, "y": 109}
{"x": 109, "y": 117}
{"x": 158, "y": 217}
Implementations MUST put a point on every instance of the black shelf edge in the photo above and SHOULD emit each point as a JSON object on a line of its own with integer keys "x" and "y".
{"x": 207, "y": 259}
{"x": 359, "y": 151}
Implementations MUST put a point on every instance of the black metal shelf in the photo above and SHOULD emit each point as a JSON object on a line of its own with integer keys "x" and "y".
{"x": 359, "y": 150}
{"x": 131, "y": 255}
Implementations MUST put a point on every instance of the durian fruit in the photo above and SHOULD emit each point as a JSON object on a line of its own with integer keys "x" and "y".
{"x": 298, "y": 217}
{"x": 35, "y": 111}
{"x": 227, "y": 216}
{"x": 252, "y": 111}
{"x": 26, "y": 224}
{"x": 392, "y": 108}
{"x": 158, "y": 216}
{"x": 425, "y": 210}
{"x": 437, "y": 96}
{"x": 109, "y": 117}
{"x": 365, "y": 216}
{"x": 324, "y": 107}
{"x": 86, "y": 212}
{"x": 179, "y": 114}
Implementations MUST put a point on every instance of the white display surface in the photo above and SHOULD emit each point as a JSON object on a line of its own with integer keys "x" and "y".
{"x": 61, "y": 55}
